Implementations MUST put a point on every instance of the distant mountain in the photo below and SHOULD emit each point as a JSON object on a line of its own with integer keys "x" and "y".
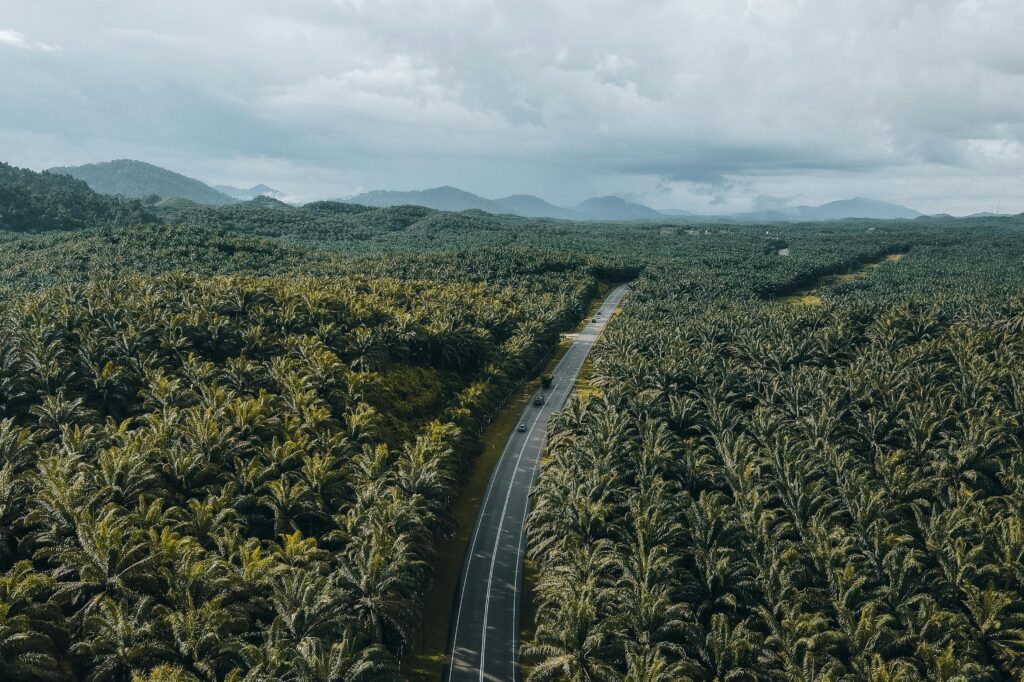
{"x": 615, "y": 208}
{"x": 33, "y": 202}
{"x": 857, "y": 208}
{"x": 526, "y": 205}
{"x": 138, "y": 180}
{"x": 780, "y": 215}
{"x": 530, "y": 206}
{"x": 835, "y": 210}
{"x": 246, "y": 194}
{"x": 265, "y": 201}
{"x": 440, "y": 198}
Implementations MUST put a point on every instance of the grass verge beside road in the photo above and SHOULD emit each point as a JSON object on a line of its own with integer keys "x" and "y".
{"x": 427, "y": 662}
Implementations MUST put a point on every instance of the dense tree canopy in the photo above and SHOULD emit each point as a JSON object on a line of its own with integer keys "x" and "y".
{"x": 230, "y": 438}
{"x": 37, "y": 202}
{"x": 770, "y": 491}
{"x": 242, "y": 474}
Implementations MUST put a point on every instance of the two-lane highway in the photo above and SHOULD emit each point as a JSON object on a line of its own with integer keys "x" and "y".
{"x": 485, "y": 632}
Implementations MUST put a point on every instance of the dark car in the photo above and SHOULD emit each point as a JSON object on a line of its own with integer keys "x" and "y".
{"x": 538, "y": 399}
{"x": 522, "y": 427}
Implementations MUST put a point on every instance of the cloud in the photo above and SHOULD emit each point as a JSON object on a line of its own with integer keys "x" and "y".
{"x": 395, "y": 94}
{"x": 763, "y": 202}
{"x": 15, "y": 39}
{"x": 698, "y": 105}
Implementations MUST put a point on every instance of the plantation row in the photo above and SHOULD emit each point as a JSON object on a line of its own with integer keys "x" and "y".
{"x": 230, "y": 439}
{"x": 777, "y": 492}
{"x": 228, "y": 478}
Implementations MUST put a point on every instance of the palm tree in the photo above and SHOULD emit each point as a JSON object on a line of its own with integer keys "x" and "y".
{"x": 56, "y": 411}
{"x": 379, "y": 579}
{"x": 164, "y": 673}
{"x": 727, "y": 653}
{"x": 203, "y": 638}
{"x": 648, "y": 664}
{"x": 29, "y": 622}
{"x": 573, "y": 645}
{"x": 292, "y": 503}
{"x": 998, "y": 619}
{"x": 206, "y": 521}
{"x": 118, "y": 639}
{"x": 13, "y": 505}
{"x": 109, "y": 560}
{"x": 60, "y": 494}
{"x": 344, "y": 660}
{"x": 422, "y": 470}
{"x": 307, "y": 605}
{"x": 124, "y": 474}
{"x": 16, "y": 444}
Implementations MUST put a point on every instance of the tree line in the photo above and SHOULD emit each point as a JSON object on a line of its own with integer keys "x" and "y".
{"x": 242, "y": 478}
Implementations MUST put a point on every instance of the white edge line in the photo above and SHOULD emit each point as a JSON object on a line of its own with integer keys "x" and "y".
{"x": 479, "y": 523}
{"x": 529, "y": 494}
{"x": 519, "y": 556}
{"x": 497, "y": 542}
{"x": 473, "y": 543}
{"x": 522, "y": 528}
{"x": 469, "y": 557}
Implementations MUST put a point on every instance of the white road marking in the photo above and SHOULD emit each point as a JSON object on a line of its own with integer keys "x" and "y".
{"x": 497, "y": 541}
{"x": 472, "y": 552}
{"x": 472, "y": 548}
{"x": 519, "y": 562}
{"x": 526, "y": 510}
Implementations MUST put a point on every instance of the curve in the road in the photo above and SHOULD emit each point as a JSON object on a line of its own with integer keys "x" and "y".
{"x": 485, "y": 632}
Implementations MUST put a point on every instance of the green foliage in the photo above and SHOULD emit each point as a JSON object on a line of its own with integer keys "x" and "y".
{"x": 769, "y": 491}
{"x": 38, "y": 202}
{"x": 209, "y": 477}
{"x": 230, "y": 439}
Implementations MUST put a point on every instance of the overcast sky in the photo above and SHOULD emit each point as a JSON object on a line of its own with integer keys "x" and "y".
{"x": 705, "y": 105}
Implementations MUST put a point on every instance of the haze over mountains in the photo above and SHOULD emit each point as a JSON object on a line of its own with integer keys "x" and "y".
{"x": 454, "y": 199}
{"x": 31, "y": 201}
{"x": 836, "y": 210}
{"x": 615, "y": 208}
{"x": 140, "y": 180}
{"x": 243, "y": 194}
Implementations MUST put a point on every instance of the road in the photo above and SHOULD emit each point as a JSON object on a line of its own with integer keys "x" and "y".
{"x": 485, "y": 637}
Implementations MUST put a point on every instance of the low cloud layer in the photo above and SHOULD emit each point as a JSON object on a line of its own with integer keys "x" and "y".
{"x": 711, "y": 106}
{"x": 14, "y": 39}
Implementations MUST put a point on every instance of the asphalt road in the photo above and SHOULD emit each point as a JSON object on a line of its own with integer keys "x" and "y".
{"x": 484, "y": 642}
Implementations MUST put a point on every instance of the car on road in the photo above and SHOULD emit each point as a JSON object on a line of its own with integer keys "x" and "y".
{"x": 522, "y": 427}
{"x": 538, "y": 399}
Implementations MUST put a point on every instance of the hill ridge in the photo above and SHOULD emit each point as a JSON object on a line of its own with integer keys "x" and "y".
{"x": 138, "y": 180}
